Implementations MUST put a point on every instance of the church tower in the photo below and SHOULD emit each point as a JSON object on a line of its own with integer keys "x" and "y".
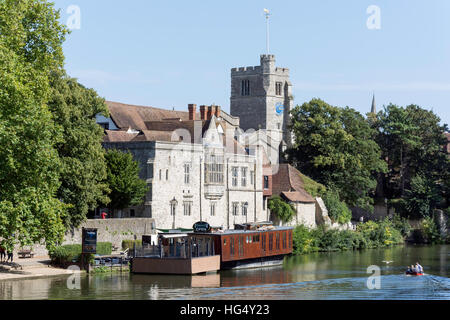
{"x": 261, "y": 96}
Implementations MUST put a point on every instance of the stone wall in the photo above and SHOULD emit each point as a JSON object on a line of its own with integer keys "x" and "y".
{"x": 109, "y": 230}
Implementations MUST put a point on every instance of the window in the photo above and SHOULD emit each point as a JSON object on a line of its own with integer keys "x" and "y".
{"x": 278, "y": 88}
{"x": 235, "y": 208}
{"x": 214, "y": 169}
{"x": 212, "y": 209}
{"x": 241, "y": 245}
{"x": 172, "y": 209}
{"x": 266, "y": 182}
{"x": 187, "y": 171}
{"x": 234, "y": 176}
{"x": 279, "y": 126}
{"x": 277, "y": 242}
{"x": 245, "y": 87}
{"x": 160, "y": 174}
{"x": 167, "y": 174}
{"x": 284, "y": 240}
{"x": 270, "y": 241}
{"x": 232, "y": 246}
{"x": 252, "y": 177}
{"x": 244, "y": 176}
{"x": 244, "y": 206}
{"x": 187, "y": 208}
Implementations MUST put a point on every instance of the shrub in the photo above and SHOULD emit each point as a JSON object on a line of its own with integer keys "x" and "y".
{"x": 402, "y": 225}
{"x": 71, "y": 253}
{"x": 304, "y": 240}
{"x": 129, "y": 244}
{"x": 430, "y": 231}
{"x": 284, "y": 211}
{"x": 337, "y": 209}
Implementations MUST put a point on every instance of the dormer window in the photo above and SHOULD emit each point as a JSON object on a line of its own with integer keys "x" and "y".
{"x": 245, "y": 88}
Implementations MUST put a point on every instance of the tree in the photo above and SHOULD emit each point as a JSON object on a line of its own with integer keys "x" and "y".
{"x": 127, "y": 189}
{"x": 422, "y": 196}
{"x": 74, "y": 109}
{"x": 30, "y": 49}
{"x": 283, "y": 210}
{"x": 336, "y": 147}
{"x": 412, "y": 142}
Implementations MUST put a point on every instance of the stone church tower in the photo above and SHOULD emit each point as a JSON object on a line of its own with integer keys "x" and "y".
{"x": 261, "y": 97}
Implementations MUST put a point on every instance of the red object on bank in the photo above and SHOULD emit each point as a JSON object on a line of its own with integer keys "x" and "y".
{"x": 104, "y": 214}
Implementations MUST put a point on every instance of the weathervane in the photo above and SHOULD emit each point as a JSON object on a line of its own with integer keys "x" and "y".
{"x": 267, "y": 13}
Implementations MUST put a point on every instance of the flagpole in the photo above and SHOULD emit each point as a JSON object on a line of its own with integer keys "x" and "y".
{"x": 267, "y": 29}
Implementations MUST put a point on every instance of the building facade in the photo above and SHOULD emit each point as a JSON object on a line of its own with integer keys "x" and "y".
{"x": 195, "y": 170}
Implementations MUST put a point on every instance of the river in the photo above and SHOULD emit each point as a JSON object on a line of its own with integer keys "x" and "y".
{"x": 337, "y": 275}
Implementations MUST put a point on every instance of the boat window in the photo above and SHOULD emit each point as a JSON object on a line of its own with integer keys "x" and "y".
{"x": 224, "y": 242}
{"x": 270, "y": 241}
{"x": 231, "y": 246}
{"x": 284, "y": 240}
{"x": 277, "y": 240}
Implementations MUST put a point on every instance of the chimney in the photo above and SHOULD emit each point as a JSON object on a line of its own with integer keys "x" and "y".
{"x": 218, "y": 112}
{"x": 211, "y": 111}
{"x": 203, "y": 112}
{"x": 192, "y": 111}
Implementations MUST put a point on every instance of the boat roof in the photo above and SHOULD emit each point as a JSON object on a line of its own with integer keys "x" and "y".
{"x": 239, "y": 231}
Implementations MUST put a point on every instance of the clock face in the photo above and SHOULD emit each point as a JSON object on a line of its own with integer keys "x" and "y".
{"x": 279, "y": 108}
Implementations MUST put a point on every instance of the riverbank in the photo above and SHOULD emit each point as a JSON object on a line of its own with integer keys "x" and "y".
{"x": 38, "y": 267}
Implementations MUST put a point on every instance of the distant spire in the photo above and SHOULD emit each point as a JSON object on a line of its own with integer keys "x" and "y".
{"x": 374, "y": 107}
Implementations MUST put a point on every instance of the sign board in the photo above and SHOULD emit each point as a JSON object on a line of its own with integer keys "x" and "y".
{"x": 89, "y": 240}
{"x": 146, "y": 240}
{"x": 201, "y": 226}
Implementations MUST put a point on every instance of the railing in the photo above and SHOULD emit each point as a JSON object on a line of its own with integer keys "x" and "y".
{"x": 173, "y": 251}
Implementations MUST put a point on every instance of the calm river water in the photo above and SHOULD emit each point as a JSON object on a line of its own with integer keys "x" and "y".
{"x": 340, "y": 275}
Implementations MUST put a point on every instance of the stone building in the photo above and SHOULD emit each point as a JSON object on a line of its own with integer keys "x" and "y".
{"x": 288, "y": 184}
{"x": 261, "y": 96}
{"x": 195, "y": 168}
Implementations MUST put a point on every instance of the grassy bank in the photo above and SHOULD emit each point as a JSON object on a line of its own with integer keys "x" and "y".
{"x": 368, "y": 235}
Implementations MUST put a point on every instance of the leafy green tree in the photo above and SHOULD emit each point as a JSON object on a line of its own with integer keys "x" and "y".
{"x": 412, "y": 142}
{"x": 283, "y": 210}
{"x": 422, "y": 197}
{"x": 127, "y": 189}
{"x": 83, "y": 175}
{"x": 30, "y": 49}
{"x": 336, "y": 147}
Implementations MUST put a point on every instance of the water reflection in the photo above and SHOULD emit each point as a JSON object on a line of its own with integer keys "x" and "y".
{"x": 315, "y": 276}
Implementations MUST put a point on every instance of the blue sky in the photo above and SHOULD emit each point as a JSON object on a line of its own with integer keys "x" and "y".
{"x": 172, "y": 53}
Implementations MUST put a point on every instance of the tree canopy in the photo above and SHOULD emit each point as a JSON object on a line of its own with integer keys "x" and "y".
{"x": 335, "y": 146}
{"x": 83, "y": 171}
{"x": 30, "y": 49}
{"x": 127, "y": 189}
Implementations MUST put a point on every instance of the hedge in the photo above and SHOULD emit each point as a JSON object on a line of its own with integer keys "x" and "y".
{"x": 70, "y": 253}
{"x": 129, "y": 244}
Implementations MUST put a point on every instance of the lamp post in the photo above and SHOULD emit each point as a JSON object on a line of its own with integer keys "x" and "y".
{"x": 173, "y": 204}
{"x": 246, "y": 211}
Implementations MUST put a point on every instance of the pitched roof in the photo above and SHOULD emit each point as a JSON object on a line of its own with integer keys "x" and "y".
{"x": 286, "y": 181}
{"x": 132, "y": 116}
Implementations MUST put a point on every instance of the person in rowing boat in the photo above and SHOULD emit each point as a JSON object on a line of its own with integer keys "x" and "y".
{"x": 419, "y": 268}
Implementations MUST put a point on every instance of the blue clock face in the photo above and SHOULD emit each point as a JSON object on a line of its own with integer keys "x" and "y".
{"x": 279, "y": 108}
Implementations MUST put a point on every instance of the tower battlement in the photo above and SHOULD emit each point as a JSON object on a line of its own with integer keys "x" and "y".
{"x": 261, "y": 96}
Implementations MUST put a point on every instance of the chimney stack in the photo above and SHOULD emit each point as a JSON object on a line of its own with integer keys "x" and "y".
{"x": 218, "y": 111}
{"x": 211, "y": 112}
{"x": 203, "y": 112}
{"x": 192, "y": 111}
